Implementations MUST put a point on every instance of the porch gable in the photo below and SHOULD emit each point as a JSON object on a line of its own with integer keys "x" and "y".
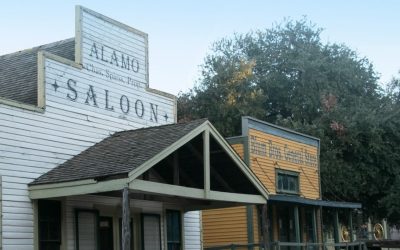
{"x": 186, "y": 160}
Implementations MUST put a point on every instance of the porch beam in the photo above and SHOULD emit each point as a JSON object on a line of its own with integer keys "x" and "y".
{"x": 206, "y": 157}
{"x": 235, "y": 197}
{"x": 75, "y": 188}
{"x": 195, "y": 193}
{"x": 166, "y": 189}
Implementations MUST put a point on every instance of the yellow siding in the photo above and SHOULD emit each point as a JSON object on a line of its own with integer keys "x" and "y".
{"x": 264, "y": 165}
{"x": 224, "y": 226}
{"x": 239, "y": 149}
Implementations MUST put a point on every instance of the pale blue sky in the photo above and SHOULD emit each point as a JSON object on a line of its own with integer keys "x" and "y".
{"x": 181, "y": 32}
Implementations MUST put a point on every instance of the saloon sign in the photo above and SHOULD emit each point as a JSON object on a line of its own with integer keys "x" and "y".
{"x": 110, "y": 73}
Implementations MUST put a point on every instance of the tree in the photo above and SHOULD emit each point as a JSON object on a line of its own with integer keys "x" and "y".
{"x": 287, "y": 75}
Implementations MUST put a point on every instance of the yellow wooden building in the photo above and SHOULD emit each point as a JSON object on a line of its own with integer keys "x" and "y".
{"x": 287, "y": 163}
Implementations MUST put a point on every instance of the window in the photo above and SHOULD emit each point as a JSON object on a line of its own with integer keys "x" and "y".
{"x": 49, "y": 217}
{"x": 87, "y": 222}
{"x": 151, "y": 234}
{"x": 173, "y": 230}
{"x": 287, "y": 182}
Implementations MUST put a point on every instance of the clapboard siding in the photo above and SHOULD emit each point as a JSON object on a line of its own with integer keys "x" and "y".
{"x": 84, "y": 79}
{"x": 32, "y": 143}
{"x": 93, "y": 29}
{"x": 192, "y": 225}
{"x": 265, "y": 167}
{"x": 239, "y": 149}
{"x": 224, "y": 226}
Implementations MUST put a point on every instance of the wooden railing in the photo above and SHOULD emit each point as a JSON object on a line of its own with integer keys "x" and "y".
{"x": 357, "y": 245}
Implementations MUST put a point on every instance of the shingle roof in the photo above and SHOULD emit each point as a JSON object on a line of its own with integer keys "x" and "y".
{"x": 18, "y": 71}
{"x": 118, "y": 154}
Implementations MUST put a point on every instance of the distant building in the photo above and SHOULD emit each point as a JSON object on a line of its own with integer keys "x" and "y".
{"x": 287, "y": 163}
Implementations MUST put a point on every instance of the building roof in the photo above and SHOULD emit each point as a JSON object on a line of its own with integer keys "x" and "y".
{"x": 18, "y": 71}
{"x": 312, "y": 202}
{"x": 118, "y": 154}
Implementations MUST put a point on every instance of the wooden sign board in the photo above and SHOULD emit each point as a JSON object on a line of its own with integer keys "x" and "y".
{"x": 273, "y": 149}
{"x": 109, "y": 77}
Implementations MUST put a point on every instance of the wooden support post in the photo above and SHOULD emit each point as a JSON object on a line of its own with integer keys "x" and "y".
{"x": 314, "y": 225}
{"x": 336, "y": 226}
{"x": 320, "y": 223}
{"x": 176, "y": 168}
{"x": 264, "y": 224}
{"x": 275, "y": 226}
{"x": 303, "y": 225}
{"x": 385, "y": 229}
{"x": 250, "y": 226}
{"x": 126, "y": 231}
{"x": 297, "y": 224}
{"x": 351, "y": 225}
{"x": 206, "y": 157}
{"x": 369, "y": 227}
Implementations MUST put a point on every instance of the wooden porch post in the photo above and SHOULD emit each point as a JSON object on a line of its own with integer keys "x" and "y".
{"x": 264, "y": 224}
{"x": 351, "y": 225}
{"x": 297, "y": 224}
{"x": 126, "y": 231}
{"x": 275, "y": 226}
{"x": 314, "y": 225}
{"x": 336, "y": 227}
{"x": 206, "y": 157}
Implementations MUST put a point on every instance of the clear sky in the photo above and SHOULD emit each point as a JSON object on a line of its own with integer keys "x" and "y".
{"x": 181, "y": 32}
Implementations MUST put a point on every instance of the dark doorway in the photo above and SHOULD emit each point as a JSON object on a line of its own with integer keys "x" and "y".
{"x": 106, "y": 233}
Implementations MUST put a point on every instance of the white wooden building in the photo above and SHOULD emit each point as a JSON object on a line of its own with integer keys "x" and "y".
{"x": 81, "y": 132}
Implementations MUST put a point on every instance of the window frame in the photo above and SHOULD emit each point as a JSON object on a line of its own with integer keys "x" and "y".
{"x": 287, "y": 173}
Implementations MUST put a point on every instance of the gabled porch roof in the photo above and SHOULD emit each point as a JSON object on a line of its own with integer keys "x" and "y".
{"x": 187, "y": 160}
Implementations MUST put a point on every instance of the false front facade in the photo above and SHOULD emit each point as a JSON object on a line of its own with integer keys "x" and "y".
{"x": 287, "y": 163}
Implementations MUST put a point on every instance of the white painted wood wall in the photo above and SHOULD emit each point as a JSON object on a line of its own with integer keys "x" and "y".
{"x": 32, "y": 143}
{"x": 192, "y": 224}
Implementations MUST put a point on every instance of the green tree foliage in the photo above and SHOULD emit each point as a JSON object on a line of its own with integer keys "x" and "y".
{"x": 288, "y": 76}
